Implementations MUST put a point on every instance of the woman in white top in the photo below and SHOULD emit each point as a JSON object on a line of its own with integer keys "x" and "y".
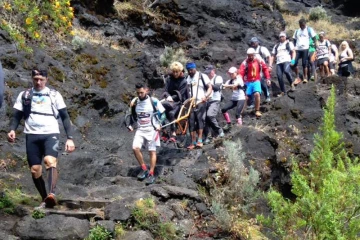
{"x": 237, "y": 98}
{"x": 345, "y": 58}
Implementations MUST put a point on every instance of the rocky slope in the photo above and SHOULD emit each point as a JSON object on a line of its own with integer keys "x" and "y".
{"x": 98, "y": 82}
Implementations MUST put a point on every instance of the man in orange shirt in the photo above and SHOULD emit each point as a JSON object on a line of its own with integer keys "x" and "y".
{"x": 249, "y": 71}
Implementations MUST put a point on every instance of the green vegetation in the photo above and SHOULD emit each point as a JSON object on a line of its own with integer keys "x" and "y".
{"x": 171, "y": 55}
{"x": 12, "y": 197}
{"x": 318, "y": 13}
{"x": 99, "y": 233}
{"x": 27, "y": 20}
{"x": 327, "y": 192}
{"x": 6, "y": 204}
{"x": 145, "y": 217}
{"x": 38, "y": 214}
{"x": 119, "y": 231}
{"x": 235, "y": 194}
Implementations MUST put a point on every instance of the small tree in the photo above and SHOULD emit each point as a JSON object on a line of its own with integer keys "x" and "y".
{"x": 328, "y": 203}
{"x": 318, "y": 13}
{"x": 171, "y": 55}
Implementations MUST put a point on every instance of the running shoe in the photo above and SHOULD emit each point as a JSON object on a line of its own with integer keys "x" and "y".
{"x": 143, "y": 174}
{"x": 50, "y": 201}
{"x": 305, "y": 80}
{"x": 221, "y": 133}
{"x": 199, "y": 144}
{"x": 207, "y": 141}
{"x": 172, "y": 139}
{"x": 250, "y": 107}
{"x": 297, "y": 81}
{"x": 150, "y": 180}
{"x": 227, "y": 127}
{"x": 268, "y": 100}
{"x": 258, "y": 114}
{"x": 41, "y": 206}
{"x": 239, "y": 121}
{"x": 164, "y": 139}
{"x": 191, "y": 147}
{"x": 281, "y": 94}
{"x": 312, "y": 78}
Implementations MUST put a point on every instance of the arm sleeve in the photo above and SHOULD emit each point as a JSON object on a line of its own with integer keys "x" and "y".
{"x": 1, "y": 85}
{"x": 241, "y": 70}
{"x": 183, "y": 89}
{"x": 265, "y": 70}
{"x": 65, "y": 118}
{"x": 166, "y": 90}
{"x": 17, "y": 116}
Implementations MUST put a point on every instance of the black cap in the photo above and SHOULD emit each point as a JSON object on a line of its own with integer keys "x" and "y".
{"x": 208, "y": 69}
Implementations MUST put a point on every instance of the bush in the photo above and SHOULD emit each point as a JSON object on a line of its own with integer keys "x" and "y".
{"x": 99, "y": 233}
{"x": 327, "y": 203}
{"x": 42, "y": 19}
{"x": 37, "y": 214}
{"x": 237, "y": 193}
{"x": 318, "y": 13}
{"x": 78, "y": 43}
{"x": 171, "y": 55}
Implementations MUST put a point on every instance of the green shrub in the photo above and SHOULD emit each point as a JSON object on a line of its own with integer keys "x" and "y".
{"x": 99, "y": 233}
{"x": 318, "y": 13}
{"x": 27, "y": 20}
{"x": 37, "y": 214}
{"x": 235, "y": 193}
{"x": 6, "y": 204}
{"x": 166, "y": 231}
{"x": 144, "y": 213}
{"x": 171, "y": 55}
{"x": 78, "y": 43}
{"x": 327, "y": 192}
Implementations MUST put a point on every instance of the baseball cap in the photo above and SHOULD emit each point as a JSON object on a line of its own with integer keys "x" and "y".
{"x": 322, "y": 33}
{"x": 208, "y": 69}
{"x": 232, "y": 70}
{"x": 254, "y": 39}
{"x": 282, "y": 34}
{"x": 250, "y": 51}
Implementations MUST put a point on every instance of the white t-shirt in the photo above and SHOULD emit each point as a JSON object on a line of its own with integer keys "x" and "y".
{"x": 262, "y": 52}
{"x": 282, "y": 55}
{"x": 197, "y": 89}
{"x": 302, "y": 38}
{"x": 238, "y": 94}
{"x": 42, "y": 103}
{"x": 145, "y": 110}
{"x": 322, "y": 51}
{"x": 216, "y": 96}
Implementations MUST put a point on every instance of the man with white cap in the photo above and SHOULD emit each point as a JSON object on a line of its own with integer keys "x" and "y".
{"x": 213, "y": 105}
{"x": 262, "y": 52}
{"x": 236, "y": 84}
{"x": 283, "y": 51}
{"x": 250, "y": 71}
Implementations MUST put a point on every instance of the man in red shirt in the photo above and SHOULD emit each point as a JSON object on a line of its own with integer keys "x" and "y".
{"x": 249, "y": 71}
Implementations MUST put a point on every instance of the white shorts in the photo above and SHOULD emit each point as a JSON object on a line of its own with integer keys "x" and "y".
{"x": 147, "y": 137}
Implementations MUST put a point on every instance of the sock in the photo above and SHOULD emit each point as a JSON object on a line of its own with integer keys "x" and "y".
{"x": 151, "y": 173}
{"x": 40, "y": 186}
{"x": 227, "y": 117}
{"x": 200, "y": 140}
{"x": 194, "y": 142}
{"x": 52, "y": 179}
{"x": 143, "y": 167}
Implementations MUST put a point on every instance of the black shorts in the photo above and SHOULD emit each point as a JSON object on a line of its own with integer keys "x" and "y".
{"x": 40, "y": 145}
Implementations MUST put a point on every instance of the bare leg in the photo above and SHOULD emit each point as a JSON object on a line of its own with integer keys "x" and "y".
{"x": 305, "y": 72}
{"x": 138, "y": 155}
{"x": 200, "y": 133}
{"x": 152, "y": 160}
{"x": 257, "y": 101}
{"x": 193, "y": 137}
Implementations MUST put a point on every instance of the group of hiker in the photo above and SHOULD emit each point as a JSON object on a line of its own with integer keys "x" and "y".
{"x": 41, "y": 106}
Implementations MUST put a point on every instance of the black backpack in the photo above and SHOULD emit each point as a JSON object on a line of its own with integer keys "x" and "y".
{"x": 287, "y": 48}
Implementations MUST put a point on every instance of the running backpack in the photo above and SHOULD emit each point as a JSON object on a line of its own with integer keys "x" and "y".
{"x": 160, "y": 116}
{"x": 26, "y": 100}
{"x": 309, "y": 31}
{"x": 287, "y": 48}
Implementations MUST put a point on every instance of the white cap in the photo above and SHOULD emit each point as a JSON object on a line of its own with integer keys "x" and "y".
{"x": 250, "y": 51}
{"x": 232, "y": 70}
{"x": 282, "y": 34}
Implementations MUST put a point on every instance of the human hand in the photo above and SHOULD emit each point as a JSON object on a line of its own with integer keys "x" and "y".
{"x": 11, "y": 136}
{"x": 204, "y": 99}
{"x": 268, "y": 82}
{"x": 69, "y": 146}
{"x": 169, "y": 99}
{"x": 130, "y": 128}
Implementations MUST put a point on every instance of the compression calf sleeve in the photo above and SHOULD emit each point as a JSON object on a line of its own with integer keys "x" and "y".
{"x": 40, "y": 186}
{"x": 52, "y": 179}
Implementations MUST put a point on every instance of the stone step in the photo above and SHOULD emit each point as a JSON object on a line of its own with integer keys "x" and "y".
{"x": 83, "y": 203}
{"x": 76, "y": 214}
